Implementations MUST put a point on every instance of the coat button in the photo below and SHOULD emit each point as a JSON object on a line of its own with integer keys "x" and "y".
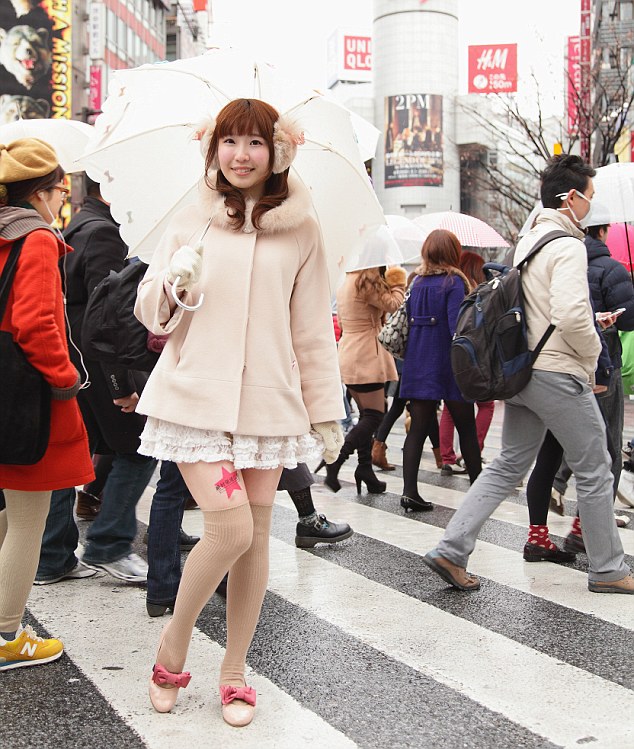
{"x": 433, "y": 321}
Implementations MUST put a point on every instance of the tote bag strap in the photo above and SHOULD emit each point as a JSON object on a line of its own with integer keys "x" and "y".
{"x": 8, "y": 272}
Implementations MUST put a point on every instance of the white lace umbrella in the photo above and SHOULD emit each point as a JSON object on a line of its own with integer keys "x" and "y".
{"x": 471, "y": 231}
{"x": 149, "y": 165}
{"x": 69, "y": 138}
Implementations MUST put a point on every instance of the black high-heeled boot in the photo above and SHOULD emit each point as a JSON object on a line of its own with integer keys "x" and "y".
{"x": 332, "y": 469}
{"x": 365, "y": 475}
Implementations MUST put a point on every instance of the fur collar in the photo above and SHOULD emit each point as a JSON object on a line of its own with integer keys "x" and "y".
{"x": 287, "y": 216}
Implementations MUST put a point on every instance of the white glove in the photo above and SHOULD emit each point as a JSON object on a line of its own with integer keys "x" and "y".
{"x": 332, "y": 435}
{"x": 186, "y": 262}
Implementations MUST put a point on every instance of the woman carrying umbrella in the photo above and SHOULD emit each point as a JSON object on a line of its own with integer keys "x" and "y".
{"x": 432, "y": 310}
{"x": 242, "y": 379}
{"x": 363, "y": 301}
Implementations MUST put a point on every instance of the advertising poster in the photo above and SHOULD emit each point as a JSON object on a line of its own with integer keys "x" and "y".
{"x": 35, "y": 59}
{"x": 413, "y": 140}
{"x": 573, "y": 84}
{"x": 493, "y": 69}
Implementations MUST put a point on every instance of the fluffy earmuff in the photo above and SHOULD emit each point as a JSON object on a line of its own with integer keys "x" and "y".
{"x": 287, "y": 135}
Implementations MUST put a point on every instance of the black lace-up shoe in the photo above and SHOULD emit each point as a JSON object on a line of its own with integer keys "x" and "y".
{"x": 320, "y": 531}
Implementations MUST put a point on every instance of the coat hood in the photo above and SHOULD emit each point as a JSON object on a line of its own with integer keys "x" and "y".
{"x": 92, "y": 209}
{"x": 17, "y": 222}
{"x": 596, "y": 248}
{"x": 557, "y": 217}
{"x": 287, "y": 216}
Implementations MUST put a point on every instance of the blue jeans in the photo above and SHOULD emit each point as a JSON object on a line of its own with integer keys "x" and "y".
{"x": 163, "y": 548}
{"x": 112, "y": 532}
{"x": 57, "y": 555}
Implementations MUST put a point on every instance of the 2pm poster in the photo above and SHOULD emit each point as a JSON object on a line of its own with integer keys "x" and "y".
{"x": 35, "y": 59}
{"x": 413, "y": 140}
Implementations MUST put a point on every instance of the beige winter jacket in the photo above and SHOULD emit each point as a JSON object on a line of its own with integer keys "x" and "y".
{"x": 555, "y": 287}
{"x": 259, "y": 357}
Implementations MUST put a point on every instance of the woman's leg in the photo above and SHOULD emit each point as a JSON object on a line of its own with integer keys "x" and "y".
{"x": 248, "y": 576}
{"x": 484, "y": 417}
{"x": 422, "y": 413}
{"x": 446, "y": 437}
{"x": 464, "y": 418}
{"x": 540, "y": 482}
{"x": 24, "y": 520}
{"x": 393, "y": 413}
{"x": 221, "y": 494}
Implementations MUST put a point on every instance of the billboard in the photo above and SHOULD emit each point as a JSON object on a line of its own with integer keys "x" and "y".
{"x": 573, "y": 84}
{"x": 35, "y": 59}
{"x": 493, "y": 69}
{"x": 349, "y": 57}
{"x": 413, "y": 140}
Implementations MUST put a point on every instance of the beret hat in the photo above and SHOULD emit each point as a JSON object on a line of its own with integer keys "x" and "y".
{"x": 26, "y": 158}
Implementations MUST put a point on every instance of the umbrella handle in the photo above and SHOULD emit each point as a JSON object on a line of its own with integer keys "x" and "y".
{"x": 188, "y": 307}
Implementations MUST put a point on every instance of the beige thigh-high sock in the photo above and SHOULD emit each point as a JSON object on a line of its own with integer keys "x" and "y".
{"x": 245, "y": 592}
{"x": 24, "y": 520}
{"x": 228, "y": 534}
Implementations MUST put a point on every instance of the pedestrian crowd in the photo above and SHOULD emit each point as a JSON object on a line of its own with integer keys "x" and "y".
{"x": 256, "y": 378}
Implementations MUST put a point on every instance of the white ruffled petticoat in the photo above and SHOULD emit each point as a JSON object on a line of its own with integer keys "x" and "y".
{"x": 167, "y": 441}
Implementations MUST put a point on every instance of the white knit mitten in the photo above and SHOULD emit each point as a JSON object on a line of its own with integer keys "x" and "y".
{"x": 332, "y": 435}
{"x": 186, "y": 262}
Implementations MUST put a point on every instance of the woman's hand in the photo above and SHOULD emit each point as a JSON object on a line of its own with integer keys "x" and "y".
{"x": 127, "y": 404}
{"x": 332, "y": 435}
{"x": 186, "y": 263}
{"x": 396, "y": 276}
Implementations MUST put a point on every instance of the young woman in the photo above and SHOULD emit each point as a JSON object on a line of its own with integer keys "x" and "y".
{"x": 427, "y": 377}
{"x": 247, "y": 384}
{"x": 363, "y": 301}
{"x": 31, "y": 195}
{"x": 471, "y": 265}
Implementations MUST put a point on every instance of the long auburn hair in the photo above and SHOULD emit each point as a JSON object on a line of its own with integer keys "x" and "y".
{"x": 246, "y": 117}
{"x": 370, "y": 279}
{"x": 471, "y": 265}
{"x": 441, "y": 254}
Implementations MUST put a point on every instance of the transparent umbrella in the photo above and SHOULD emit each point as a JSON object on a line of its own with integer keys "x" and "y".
{"x": 471, "y": 231}
{"x": 389, "y": 245}
{"x": 145, "y": 155}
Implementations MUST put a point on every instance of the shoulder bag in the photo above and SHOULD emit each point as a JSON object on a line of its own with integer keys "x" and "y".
{"x": 25, "y": 396}
{"x": 393, "y": 335}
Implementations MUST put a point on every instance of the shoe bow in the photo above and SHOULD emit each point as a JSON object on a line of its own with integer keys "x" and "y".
{"x": 229, "y": 694}
{"x": 163, "y": 676}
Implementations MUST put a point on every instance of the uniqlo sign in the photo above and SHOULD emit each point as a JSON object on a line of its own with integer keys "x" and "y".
{"x": 357, "y": 53}
{"x": 493, "y": 69}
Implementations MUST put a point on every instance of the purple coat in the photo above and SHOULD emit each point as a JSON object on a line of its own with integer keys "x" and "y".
{"x": 432, "y": 310}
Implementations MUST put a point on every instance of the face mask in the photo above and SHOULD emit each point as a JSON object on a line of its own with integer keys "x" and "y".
{"x": 587, "y": 219}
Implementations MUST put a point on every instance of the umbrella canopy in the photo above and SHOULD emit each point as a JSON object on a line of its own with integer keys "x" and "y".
{"x": 471, "y": 231}
{"x": 617, "y": 243}
{"x": 389, "y": 245}
{"x": 69, "y": 138}
{"x": 145, "y": 155}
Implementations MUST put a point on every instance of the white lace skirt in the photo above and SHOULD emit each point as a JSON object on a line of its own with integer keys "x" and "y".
{"x": 167, "y": 441}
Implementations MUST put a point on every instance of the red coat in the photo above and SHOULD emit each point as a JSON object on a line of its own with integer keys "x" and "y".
{"x": 35, "y": 318}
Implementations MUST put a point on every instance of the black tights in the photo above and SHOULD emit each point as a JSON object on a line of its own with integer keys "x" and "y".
{"x": 423, "y": 413}
{"x": 393, "y": 413}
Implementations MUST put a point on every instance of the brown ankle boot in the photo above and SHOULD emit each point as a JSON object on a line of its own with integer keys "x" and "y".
{"x": 379, "y": 458}
{"x": 88, "y": 505}
{"x": 436, "y": 451}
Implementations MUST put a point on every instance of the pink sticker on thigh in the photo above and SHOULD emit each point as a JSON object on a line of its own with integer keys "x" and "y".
{"x": 229, "y": 483}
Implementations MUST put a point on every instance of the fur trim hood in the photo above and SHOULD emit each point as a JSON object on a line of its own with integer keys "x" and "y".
{"x": 287, "y": 216}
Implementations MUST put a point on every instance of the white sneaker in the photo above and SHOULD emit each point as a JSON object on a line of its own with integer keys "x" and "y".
{"x": 131, "y": 568}
{"x": 625, "y": 492}
{"x": 79, "y": 571}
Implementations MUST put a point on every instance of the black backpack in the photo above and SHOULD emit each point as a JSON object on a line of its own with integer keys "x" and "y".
{"x": 110, "y": 332}
{"x": 490, "y": 357}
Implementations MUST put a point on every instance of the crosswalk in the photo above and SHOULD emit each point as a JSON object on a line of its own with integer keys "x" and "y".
{"x": 359, "y": 644}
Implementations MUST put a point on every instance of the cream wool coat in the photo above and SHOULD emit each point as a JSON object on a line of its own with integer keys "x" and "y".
{"x": 259, "y": 357}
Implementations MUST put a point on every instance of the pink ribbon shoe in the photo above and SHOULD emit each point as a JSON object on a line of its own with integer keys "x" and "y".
{"x": 164, "y": 687}
{"x": 238, "y": 704}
